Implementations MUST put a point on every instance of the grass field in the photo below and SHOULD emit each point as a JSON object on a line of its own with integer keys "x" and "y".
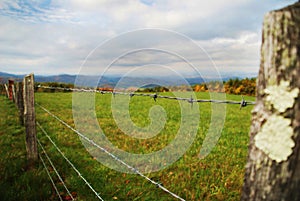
{"x": 219, "y": 176}
{"x": 16, "y": 182}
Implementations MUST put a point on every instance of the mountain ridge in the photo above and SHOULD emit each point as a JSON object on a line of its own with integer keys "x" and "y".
{"x": 111, "y": 80}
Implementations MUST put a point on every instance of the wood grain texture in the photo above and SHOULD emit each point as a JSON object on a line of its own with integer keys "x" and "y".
{"x": 30, "y": 124}
{"x": 266, "y": 178}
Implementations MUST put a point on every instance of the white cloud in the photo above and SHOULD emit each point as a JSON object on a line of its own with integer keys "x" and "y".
{"x": 55, "y": 36}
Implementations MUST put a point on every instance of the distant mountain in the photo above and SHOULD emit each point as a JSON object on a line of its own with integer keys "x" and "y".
{"x": 2, "y": 74}
{"x": 122, "y": 82}
{"x": 5, "y": 76}
{"x": 112, "y": 81}
{"x": 57, "y": 78}
{"x": 63, "y": 78}
{"x": 197, "y": 80}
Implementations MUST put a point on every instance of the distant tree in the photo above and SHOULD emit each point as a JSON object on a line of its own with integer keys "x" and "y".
{"x": 241, "y": 87}
{"x": 53, "y": 84}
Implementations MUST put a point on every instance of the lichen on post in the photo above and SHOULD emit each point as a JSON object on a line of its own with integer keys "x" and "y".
{"x": 272, "y": 170}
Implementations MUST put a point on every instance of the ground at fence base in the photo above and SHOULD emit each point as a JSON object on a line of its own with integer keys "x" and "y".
{"x": 16, "y": 182}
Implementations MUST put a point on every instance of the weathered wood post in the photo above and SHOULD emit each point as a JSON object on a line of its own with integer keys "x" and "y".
{"x": 273, "y": 167}
{"x": 20, "y": 102}
{"x": 10, "y": 89}
{"x": 29, "y": 117}
{"x": 13, "y": 93}
{"x": 6, "y": 89}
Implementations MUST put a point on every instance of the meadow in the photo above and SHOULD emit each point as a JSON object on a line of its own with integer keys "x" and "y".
{"x": 219, "y": 176}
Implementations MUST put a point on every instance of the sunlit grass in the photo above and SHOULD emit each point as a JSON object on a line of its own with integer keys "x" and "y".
{"x": 219, "y": 176}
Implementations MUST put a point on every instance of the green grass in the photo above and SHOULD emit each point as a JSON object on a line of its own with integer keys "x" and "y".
{"x": 219, "y": 176}
{"x": 16, "y": 182}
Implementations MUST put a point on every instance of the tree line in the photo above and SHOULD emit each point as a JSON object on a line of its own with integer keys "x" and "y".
{"x": 236, "y": 86}
{"x": 246, "y": 86}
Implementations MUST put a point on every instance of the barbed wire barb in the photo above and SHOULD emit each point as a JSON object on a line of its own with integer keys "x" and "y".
{"x": 243, "y": 103}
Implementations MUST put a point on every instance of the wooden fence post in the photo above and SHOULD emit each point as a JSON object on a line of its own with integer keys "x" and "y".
{"x": 20, "y": 102}
{"x": 6, "y": 89}
{"x": 10, "y": 89}
{"x": 13, "y": 93}
{"x": 29, "y": 117}
{"x": 273, "y": 167}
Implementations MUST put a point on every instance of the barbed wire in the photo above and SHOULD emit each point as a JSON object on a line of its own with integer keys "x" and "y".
{"x": 70, "y": 163}
{"x": 155, "y": 96}
{"x": 55, "y": 170}
{"x": 133, "y": 169}
{"x": 48, "y": 173}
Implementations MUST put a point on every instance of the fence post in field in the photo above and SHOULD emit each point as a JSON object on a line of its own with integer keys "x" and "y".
{"x": 6, "y": 89}
{"x": 273, "y": 167}
{"x": 29, "y": 117}
{"x": 20, "y": 102}
{"x": 10, "y": 89}
{"x": 13, "y": 93}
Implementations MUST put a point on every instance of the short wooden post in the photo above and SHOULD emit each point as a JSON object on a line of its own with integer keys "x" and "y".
{"x": 13, "y": 93}
{"x": 273, "y": 167}
{"x": 6, "y": 89}
{"x": 10, "y": 89}
{"x": 20, "y": 102}
{"x": 29, "y": 117}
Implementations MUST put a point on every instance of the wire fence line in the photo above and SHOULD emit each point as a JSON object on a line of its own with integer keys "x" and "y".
{"x": 55, "y": 170}
{"x": 133, "y": 169}
{"x": 155, "y": 96}
{"x": 50, "y": 177}
{"x": 69, "y": 162}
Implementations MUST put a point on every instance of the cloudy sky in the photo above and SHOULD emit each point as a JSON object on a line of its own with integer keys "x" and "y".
{"x": 65, "y": 36}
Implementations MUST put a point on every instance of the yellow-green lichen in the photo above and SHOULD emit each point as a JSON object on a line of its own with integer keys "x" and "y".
{"x": 289, "y": 57}
{"x": 281, "y": 97}
{"x": 275, "y": 138}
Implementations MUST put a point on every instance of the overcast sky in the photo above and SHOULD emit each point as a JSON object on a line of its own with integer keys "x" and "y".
{"x": 59, "y": 36}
